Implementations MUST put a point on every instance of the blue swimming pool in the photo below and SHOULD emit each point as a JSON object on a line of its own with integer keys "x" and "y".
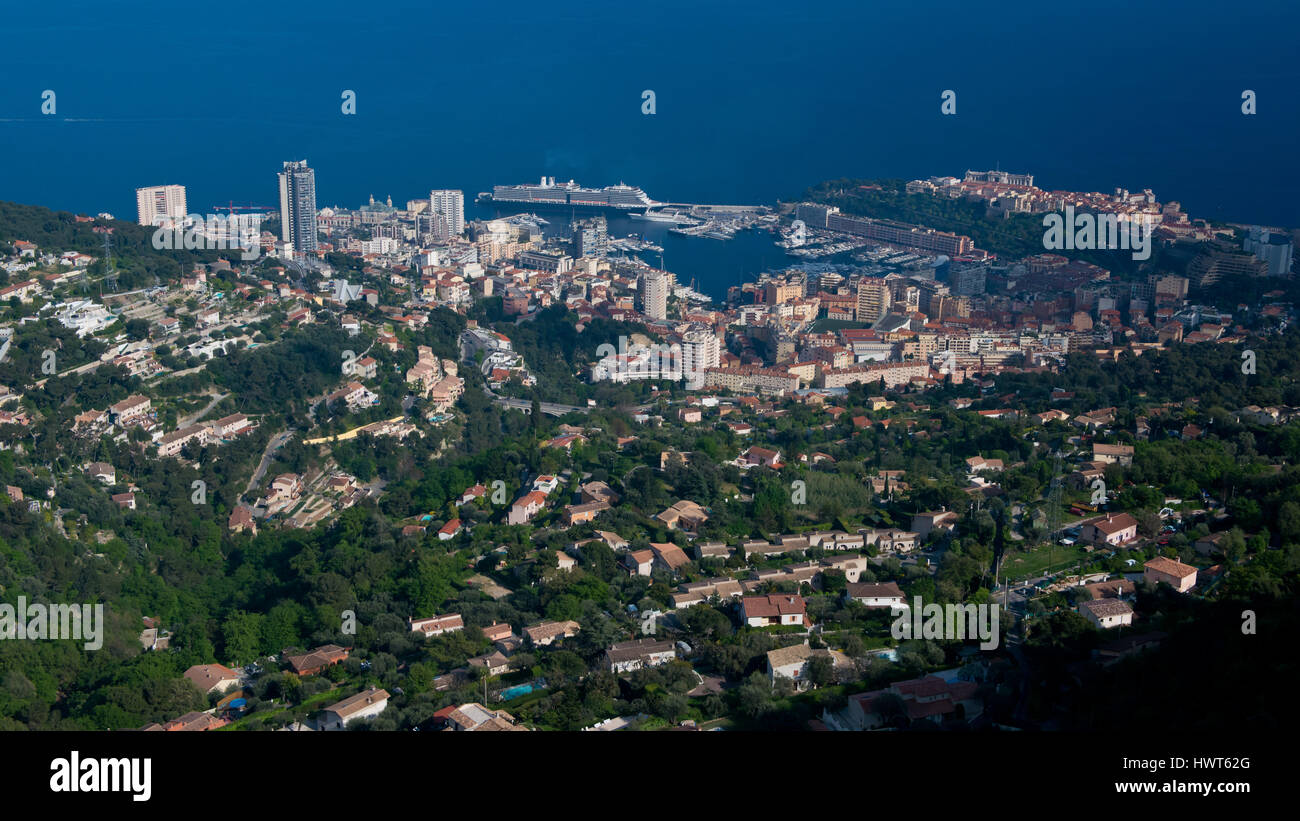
{"x": 516, "y": 691}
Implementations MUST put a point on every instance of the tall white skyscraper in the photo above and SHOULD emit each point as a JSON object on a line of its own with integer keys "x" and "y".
{"x": 158, "y": 204}
{"x": 700, "y": 350}
{"x": 298, "y": 206}
{"x": 873, "y": 299}
{"x": 450, "y": 206}
{"x": 654, "y": 294}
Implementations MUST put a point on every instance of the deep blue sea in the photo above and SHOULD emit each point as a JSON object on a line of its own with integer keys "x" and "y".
{"x": 754, "y": 100}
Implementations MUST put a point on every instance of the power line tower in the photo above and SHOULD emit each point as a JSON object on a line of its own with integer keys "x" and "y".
{"x": 110, "y": 275}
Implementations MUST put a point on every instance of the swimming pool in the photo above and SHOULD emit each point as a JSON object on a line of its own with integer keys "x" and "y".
{"x": 516, "y": 691}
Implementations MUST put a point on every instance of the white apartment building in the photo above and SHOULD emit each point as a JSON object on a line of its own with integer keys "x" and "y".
{"x": 654, "y": 294}
{"x": 450, "y": 206}
{"x": 159, "y": 204}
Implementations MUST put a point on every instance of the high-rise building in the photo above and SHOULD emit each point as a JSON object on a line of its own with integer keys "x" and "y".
{"x": 298, "y": 206}
{"x": 814, "y": 215}
{"x": 1272, "y": 247}
{"x": 967, "y": 277}
{"x": 450, "y": 206}
{"x": 1167, "y": 289}
{"x": 700, "y": 350}
{"x": 654, "y": 294}
{"x": 591, "y": 237}
{"x": 1219, "y": 260}
{"x": 873, "y": 299}
{"x": 783, "y": 289}
{"x": 160, "y": 204}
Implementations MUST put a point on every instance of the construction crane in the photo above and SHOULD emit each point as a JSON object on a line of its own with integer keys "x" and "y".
{"x": 244, "y": 206}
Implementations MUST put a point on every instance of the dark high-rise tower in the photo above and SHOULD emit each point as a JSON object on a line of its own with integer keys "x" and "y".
{"x": 298, "y": 206}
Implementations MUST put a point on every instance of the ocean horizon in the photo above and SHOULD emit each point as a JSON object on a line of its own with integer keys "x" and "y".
{"x": 754, "y": 101}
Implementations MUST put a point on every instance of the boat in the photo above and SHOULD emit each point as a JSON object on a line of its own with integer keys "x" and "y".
{"x": 571, "y": 195}
{"x": 670, "y": 216}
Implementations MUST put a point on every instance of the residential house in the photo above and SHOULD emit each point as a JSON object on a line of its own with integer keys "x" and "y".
{"x": 639, "y": 562}
{"x": 888, "y": 595}
{"x": 1112, "y": 530}
{"x": 495, "y": 662}
{"x": 1179, "y": 576}
{"x": 310, "y": 664}
{"x": 924, "y": 523}
{"x": 624, "y": 657}
{"x": 474, "y": 717}
{"x": 930, "y": 697}
{"x": 754, "y": 456}
{"x": 495, "y": 632}
{"x": 241, "y": 519}
{"x": 232, "y": 425}
{"x": 791, "y": 663}
{"x": 668, "y": 557}
{"x": 211, "y": 678}
{"x": 684, "y": 515}
{"x": 545, "y": 634}
{"x": 437, "y": 625}
{"x": 526, "y": 507}
{"x": 1107, "y": 613}
{"x": 1113, "y": 454}
{"x": 103, "y": 472}
{"x": 365, "y": 704}
{"x": 774, "y": 609}
{"x": 129, "y": 408}
{"x": 577, "y": 514}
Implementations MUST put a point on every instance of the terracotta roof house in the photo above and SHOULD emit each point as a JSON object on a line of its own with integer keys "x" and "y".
{"x": 437, "y": 625}
{"x": 778, "y": 608}
{"x": 1112, "y": 529}
{"x": 526, "y": 507}
{"x": 924, "y": 698}
{"x": 1181, "y": 577}
{"x": 684, "y": 515}
{"x": 474, "y": 717}
{"x": 497, "y": 632}
{"x": 363, "y": 705}
{"x": 669, "y": 556}
{"x": 1114, "y": 589}
{"x": 309, "y": 664}
{"x": 241, "y": 519}
{"x": 193, "y": 722}
{"x": 547, "y": 632}
{"x": 760, "y": 456}
{"x": 210, "y": 677}
{"x": 639, "y": 562}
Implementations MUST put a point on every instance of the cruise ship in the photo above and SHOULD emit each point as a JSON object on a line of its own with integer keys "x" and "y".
{"x": 569, "y": 194}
